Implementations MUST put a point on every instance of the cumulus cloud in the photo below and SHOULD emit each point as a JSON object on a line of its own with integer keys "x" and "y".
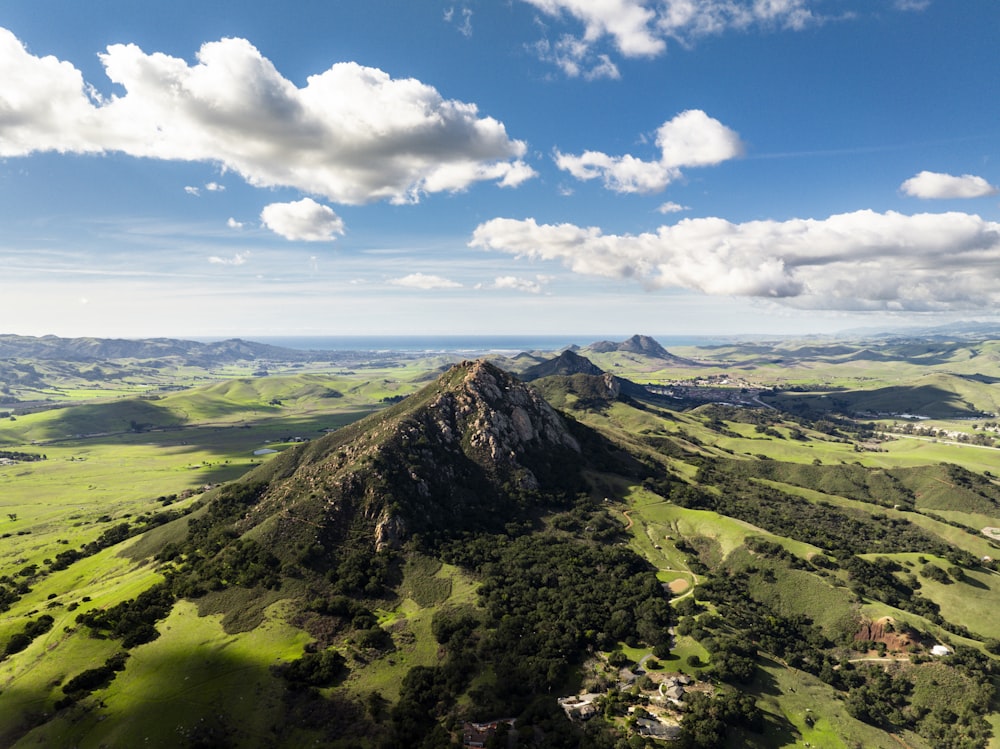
{"x": 692, "y": 138}
{"x": 852, "y": 261}
{"x": 424, "y": 281}
{"x": 641, "y": 28}
{"x": 302, "y": 220}
{"x": 234, "y": 224}
{"x": 192, "y": 190}
{"x": 672, "y": 207}
{"x": 516, "y": 283}
{"x": 353, "y": 134}
{"x": 215, "y": 187}
{"x": 238, "y": 259}
{"x": 628, "y": 22}
{"x": 934, "y": 185}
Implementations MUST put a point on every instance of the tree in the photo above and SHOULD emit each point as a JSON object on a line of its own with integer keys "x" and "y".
{"x": 12, "y": 516}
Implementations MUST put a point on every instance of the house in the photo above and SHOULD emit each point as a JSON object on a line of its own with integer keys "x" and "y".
{"x": 657, "y": 730}
{"x": 477, "y": 734}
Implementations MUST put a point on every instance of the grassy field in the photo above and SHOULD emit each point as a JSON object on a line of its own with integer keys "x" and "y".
{"x": 797, "y": 699}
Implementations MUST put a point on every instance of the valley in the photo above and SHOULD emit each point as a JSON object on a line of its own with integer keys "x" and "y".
{"x": 248, "y": 546}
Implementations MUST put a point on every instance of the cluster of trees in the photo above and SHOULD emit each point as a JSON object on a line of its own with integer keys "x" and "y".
{"x": 93, "y": 678}
{"x": 11, "y": 590}
{"x": 132, "y": 621}
{"x": 320, "y": 669}
{"x": 707, "y": 720}
{"x": 22, "y": 457}
{"x": 547, "y": 599}
{"x": 20, "y": 640}
{"x": 243, "y": 562}
{"x": 877, "y": 579}
{"x": 842, "y": 531}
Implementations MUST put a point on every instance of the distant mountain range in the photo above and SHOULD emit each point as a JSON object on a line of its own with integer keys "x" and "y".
{"x": 200, "y": 353}
{"x": 97, "y": 349}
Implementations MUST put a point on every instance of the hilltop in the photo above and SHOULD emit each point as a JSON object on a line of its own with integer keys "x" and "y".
{"x": 459, "y": 454}
{"x": 638, "y": 344}
{"x": 567, "y": 363}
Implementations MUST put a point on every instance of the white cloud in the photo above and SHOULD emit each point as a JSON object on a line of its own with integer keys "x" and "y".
{"x": 603, "y": 68}
{"x": 931, "y": 185}
{"x": 465, "y": 25}
{"x": 192, "y": 190}
{"x": 672, "y": 207}
{"x": 853, "y": 261}
{"x": 234, "y": 224}
{"x": 424, "y": 281}
{"x": 641, "y": 28}
{"x": 575, "y": 59}
{"x": 238, "y": 259}
{"x": 215, "y": 187}
{"x": 353, "y": 134}
{"x": 628, "y": 22}
{"x": 692, "y": 138}
{"x": 516, "y": 283}
{"x": 915, "y": 5}
{"x": 302, "y": 220}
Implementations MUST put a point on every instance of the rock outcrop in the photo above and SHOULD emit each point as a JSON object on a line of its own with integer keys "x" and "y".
{"x": 468, "y": 451}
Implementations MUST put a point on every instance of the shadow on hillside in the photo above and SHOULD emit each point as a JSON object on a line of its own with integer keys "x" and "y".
{"x": 219, "y": 439}
{"x": 205, "y": 695}
{"x": 984, "y": 379}
{"x": 916, "y": 353}
{"x": 918, "y": 400}
{"x": 777, "y": 731}
{"x": 974, "y": 583}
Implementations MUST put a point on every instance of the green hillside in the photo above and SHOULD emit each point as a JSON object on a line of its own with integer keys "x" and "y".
{"x": 397, "y": 568}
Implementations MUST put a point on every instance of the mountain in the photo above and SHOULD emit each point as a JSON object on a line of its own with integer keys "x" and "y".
{"x": 567, "y": 363}
{"x": 100, "y": 349}
{"x": 571, "y": 380}
{"x": 638, "y": 344}
{"x": 461, "y": 453}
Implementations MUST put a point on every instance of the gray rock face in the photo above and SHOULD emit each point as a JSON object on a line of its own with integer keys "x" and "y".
{"x": 450, "y": 455}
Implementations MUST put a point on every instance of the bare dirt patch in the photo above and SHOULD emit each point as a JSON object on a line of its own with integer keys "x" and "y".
{"x": 679, "y": 585}
{"x": 993, "y": 533}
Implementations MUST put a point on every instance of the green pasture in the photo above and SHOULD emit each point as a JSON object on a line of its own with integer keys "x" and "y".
{"x": 797, "y": 698}
{"x": 29, "y": 679}
{"x": 792, "y": 592}
{"x": 969, "y": 539}
{"x": 427, "y": 586}
{"x": 193, "y": 677}
{"x": 651, "y": 511}
{"x": 973, "y": 600}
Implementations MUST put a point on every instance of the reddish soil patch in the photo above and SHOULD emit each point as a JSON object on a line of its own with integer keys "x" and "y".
{"x": 679, "y": 585}
{"x": 896, "y": 638}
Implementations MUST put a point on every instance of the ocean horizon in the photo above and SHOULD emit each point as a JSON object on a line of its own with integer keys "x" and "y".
{"x": 458, "y": 343}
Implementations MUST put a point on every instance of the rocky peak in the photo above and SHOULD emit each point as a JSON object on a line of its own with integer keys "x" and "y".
{"x": 567, "y": 363}
{"x": 498, "y": 415}
{"x": 466, "y": 451}
{"x": 644, "y": 344}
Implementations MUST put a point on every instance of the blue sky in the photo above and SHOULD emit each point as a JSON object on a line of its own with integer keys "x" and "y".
{"x": 528, "y": 166}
